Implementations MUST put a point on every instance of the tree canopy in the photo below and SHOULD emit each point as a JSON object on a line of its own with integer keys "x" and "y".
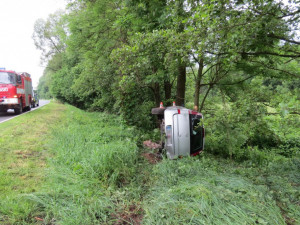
{"x": 128, "y": 56}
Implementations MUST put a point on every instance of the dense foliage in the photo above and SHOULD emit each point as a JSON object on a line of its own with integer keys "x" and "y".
{"x": 235, "y": 61}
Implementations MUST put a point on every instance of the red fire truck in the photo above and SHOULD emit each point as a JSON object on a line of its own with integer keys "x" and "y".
{"x": 15, "y": 91}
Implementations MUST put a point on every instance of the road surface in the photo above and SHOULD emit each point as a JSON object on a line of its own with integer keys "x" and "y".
{"x": 11, "y": 114}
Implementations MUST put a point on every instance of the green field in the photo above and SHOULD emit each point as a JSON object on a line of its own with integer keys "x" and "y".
{"x": 61, "y": 165}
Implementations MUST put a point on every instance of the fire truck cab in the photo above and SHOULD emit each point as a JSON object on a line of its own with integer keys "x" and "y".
{"x": 15, "y": 91}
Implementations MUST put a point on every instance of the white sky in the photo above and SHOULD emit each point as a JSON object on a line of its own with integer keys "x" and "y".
{"x": 17, "y": 49}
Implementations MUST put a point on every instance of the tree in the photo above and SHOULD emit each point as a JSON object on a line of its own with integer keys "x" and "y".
{"x": 110, "y": 49}
{"x": 49, "y": 35}
{"x": 238, "y": 35}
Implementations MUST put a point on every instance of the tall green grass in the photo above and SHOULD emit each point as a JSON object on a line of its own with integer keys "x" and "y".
{"x": 93, "y": 155}
{"x": 71, "y": 167}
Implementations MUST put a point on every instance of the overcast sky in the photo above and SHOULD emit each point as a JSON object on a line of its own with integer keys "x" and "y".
{"x": 17, "y": 49}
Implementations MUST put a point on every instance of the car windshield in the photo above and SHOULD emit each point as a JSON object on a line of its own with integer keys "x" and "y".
{"x": 7, "y": 78}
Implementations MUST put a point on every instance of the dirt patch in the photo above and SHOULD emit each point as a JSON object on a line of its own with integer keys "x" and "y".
{"x": 131, "y": 215}
{"x": 151, "y": 145}
{"x": 26, "y": 154}
{"x": 152, "y": 158}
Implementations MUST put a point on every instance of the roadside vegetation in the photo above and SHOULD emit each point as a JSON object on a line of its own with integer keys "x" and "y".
{"x": 109, "y": 62}
{"x": 76, "y": 167}
{"x": 24, "y": 151}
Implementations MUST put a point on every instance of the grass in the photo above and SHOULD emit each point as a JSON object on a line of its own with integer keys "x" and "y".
{"x": 23, "y": 153}
{"x": 75, "y": 167}
{"x": 94, "y": 156}
{"x": 205, "y": 191}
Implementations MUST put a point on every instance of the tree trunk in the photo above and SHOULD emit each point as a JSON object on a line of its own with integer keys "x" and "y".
{"x": 206, "y": 94}
{"x": 168, "y": 89}
{"x": 181, "y": 80}
{"x": 181, "y": 77}
{"x": 197, "y": 85}
{"x": 157, "y": 94}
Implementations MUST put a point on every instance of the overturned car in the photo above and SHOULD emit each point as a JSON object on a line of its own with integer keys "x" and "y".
{"x": 182, "y": 130}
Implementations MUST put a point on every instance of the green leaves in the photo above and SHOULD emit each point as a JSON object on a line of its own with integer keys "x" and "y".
{"x": 105, "y": 48}
{"x": 49, "y": 36}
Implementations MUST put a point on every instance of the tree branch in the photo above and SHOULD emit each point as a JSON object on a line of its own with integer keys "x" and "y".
{"x": 270, "y": 53}
{"x": 257, "y": 54}
{"x": 276, "y": 69}
{"x": 238, "y": 82}
{"x": 284, "y": 39}
{"x": 55, "y": 46}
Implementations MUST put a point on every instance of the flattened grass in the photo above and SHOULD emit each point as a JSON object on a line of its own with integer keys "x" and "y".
{"x": 190, "y": 191}
{"x": 209, "y": 190}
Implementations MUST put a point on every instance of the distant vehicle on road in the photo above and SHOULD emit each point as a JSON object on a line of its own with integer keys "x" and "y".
{"x": 35, "y": 99}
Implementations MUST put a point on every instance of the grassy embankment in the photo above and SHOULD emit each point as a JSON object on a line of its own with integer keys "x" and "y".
{"x": 60, "y": 165}
{"x": 23, "y": 153}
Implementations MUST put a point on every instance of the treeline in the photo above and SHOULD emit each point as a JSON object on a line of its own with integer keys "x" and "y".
{"x": 234, "y": 60}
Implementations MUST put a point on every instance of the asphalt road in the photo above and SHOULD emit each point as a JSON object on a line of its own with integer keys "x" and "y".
{"x": 11, "y": 114}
